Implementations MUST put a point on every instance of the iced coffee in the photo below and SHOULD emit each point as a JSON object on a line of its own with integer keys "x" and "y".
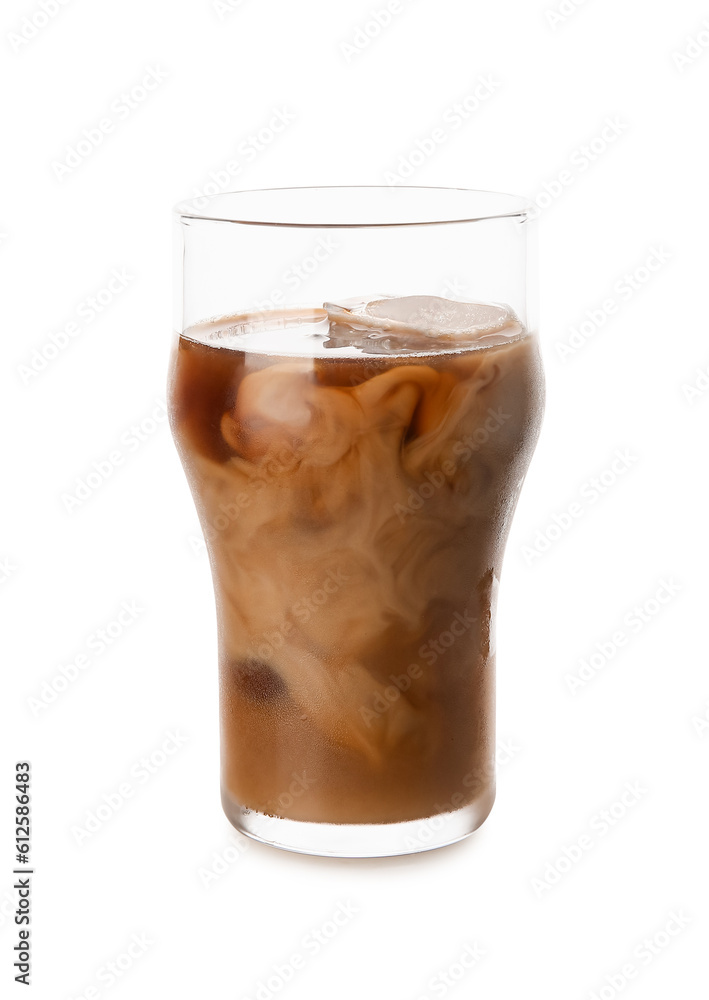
{"x": 356, "y": 468}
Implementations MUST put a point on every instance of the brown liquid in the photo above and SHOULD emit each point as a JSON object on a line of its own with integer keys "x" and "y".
{"x": 356, "y": 511}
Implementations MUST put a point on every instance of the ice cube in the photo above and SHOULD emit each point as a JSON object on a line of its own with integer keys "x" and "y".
{"x": 427, "y": 316}
{"x": 353, "y": 313}
{"x": 435, "y": 316}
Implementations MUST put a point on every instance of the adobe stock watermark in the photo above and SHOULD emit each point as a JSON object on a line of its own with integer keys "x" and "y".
{"x": 96, "y": 643}
{"x": 299, "y": 785}
{"x": 8, "y": 905}
{"x": 112, "y": 972}
{"x": 464, "y": 449}
{"x": 247, "y": 151}
{"x": 562, "y": 12}
{"x": 474, "y": 781}
{"x": 440, "y": 984}
{"x": 378, "y": 21}
{"x": 139, "y": 775}
{"x": 624, "y": 289}
{"x": 634, "y": 621}
{"x": 311, "y": 944}
{"x": 120, "y": 109}
{"x": 456, "y": 287}
{"x": 87, "y": 310}
{"x": 7, "y": 569}
{"x": 701, "y": 722}
{"x": 692, "y": 391}
{"x": 643, "y": 955}
{"x": 222, "y": 8}
{"x": 229, "y": 512}
{"x": 222, "y": 861}
{"x": 8, "y": 908}
{"x": 130, "y": 441}
{"x": 599, "y": 826}
{"x": 298, "y": 273}
{"x": 454, "y": 116}
{"x": 381, "y": 703}
{"x": 695, "y": 46}
{"x": 579, "y": 162}
{"x": 430, "y": 651}
{"x": 34, "y": 24}
{"x": 588, "y": 495}
{"x": 264, "y": 647}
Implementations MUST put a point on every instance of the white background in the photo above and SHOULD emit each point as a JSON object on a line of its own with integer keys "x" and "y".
{"x": 641, "y": 719}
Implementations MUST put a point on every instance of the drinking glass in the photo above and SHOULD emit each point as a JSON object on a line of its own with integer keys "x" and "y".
{"x": 355, "y": 393}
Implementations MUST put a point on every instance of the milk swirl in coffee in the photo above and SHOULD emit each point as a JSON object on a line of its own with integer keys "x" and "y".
{"x": 356, "y": 468}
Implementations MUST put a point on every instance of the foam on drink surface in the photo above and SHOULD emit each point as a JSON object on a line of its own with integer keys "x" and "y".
{"x": 356, "y": 328}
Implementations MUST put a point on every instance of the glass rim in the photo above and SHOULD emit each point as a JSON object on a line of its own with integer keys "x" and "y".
{"x": 509, "y": 206}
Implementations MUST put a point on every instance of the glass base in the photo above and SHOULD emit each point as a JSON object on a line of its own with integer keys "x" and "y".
{"x": 359, "y": 840}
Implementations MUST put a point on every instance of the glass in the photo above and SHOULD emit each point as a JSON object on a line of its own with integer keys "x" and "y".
{"x": 355, "y": 393}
